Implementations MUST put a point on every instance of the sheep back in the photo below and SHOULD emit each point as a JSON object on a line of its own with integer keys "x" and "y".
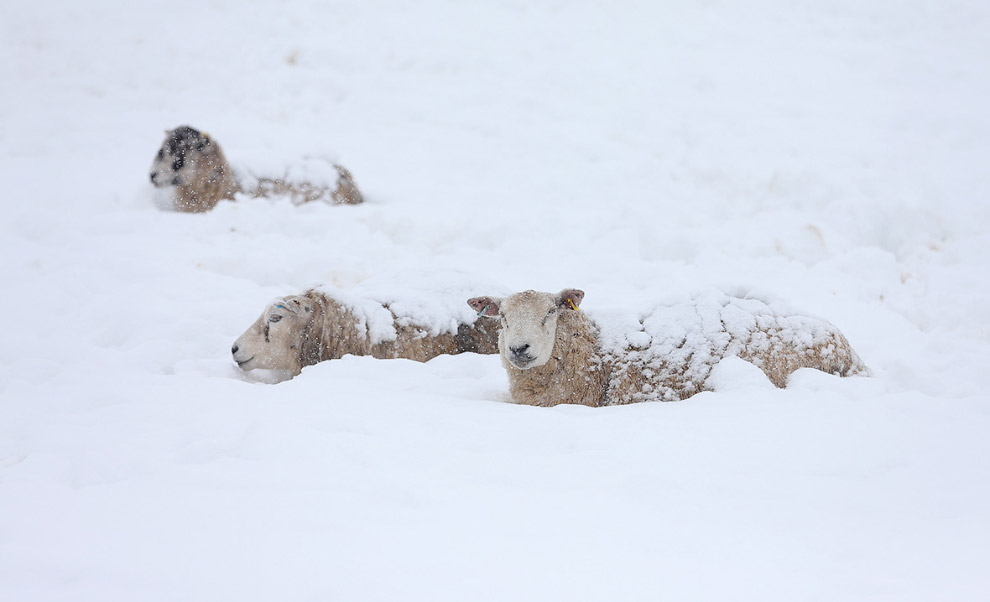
{"x": 357, "y": 329}
{"x": 311, "y": 179}
{"x": 670, "y": 353}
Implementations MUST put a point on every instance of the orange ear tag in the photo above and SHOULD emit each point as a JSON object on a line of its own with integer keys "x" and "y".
{"x": 571, "y": 303}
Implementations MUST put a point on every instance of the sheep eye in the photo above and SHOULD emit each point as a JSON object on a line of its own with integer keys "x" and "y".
{"x": 275, "y": 318}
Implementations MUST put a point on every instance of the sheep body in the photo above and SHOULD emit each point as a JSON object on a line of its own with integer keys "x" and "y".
{"x": 195, "y": 165}
{"x": 341, "y": 329}
{"x": 668, "y": 353}
{"x": 311, "y": 178}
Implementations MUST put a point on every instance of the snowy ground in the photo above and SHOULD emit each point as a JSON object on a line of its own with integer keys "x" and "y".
{"x": 830, "y": 153}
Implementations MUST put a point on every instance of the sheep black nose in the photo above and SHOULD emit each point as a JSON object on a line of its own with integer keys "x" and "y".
{"x": 154, "y": 177}
{"x": 519, "y": 351}
{"x": 233, "y": 350}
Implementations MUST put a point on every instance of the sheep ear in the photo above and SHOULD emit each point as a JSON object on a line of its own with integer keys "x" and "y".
{"x": 295, "y": 304}
{"x": 485, "y": 306}
{"x": 570, "y": 298}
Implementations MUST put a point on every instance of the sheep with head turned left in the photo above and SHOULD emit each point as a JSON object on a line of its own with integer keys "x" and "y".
{"x": 192, "y": 162}
{"x": 301, "y": 330}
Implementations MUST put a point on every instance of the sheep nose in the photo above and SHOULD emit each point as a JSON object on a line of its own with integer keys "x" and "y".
{"x": 520, "y": 350}
{"x": 154, "y": 177}
{"x": 233, "y": 350}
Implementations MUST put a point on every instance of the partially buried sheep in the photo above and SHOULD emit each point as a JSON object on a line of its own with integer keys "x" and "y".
{"x": 193, "y": 163}
{"x": 554, "y": 353}
{"x": 302, "y": 330}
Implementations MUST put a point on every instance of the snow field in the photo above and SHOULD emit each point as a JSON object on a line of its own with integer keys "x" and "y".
{"x": 830, "y": 154}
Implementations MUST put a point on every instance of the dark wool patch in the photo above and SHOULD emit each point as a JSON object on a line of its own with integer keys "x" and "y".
{"x": 182, "y": 140}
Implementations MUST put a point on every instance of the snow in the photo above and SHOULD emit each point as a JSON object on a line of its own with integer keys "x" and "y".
{"x": 830, "y": 154}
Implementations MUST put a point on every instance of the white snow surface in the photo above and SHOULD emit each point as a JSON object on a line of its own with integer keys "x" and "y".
{"x": 832, "y": 154}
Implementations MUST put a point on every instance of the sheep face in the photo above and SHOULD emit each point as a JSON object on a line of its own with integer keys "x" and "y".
{"x": 529, "y": 323}
{"x": 176, "y": 161}
{"x": 279, "y": 339}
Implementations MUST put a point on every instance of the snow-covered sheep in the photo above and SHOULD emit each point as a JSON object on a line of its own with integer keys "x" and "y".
{"x": 193, "y": 163}
{"x": 302, "y": 330}
{"x": 555, "y": 353}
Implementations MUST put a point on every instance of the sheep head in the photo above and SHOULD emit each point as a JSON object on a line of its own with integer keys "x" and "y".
{"x": 528, "y": 323}
{"x": 178, "y": 161}
{"x": 283, "y": 338}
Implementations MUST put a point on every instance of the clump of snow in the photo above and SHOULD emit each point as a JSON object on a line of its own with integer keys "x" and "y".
{"x": 736, "y": 374}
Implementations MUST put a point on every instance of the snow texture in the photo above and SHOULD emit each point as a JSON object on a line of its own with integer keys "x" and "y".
{"x": 831, "y": 153}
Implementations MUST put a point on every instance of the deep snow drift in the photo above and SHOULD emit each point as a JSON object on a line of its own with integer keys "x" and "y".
{"x": 831, "y": 154}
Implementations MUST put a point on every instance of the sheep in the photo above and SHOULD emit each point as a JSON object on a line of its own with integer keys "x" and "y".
{"x": 301, "y": 330}
{"x": 555, "y": 353}
{"x": 193, "y": 163}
